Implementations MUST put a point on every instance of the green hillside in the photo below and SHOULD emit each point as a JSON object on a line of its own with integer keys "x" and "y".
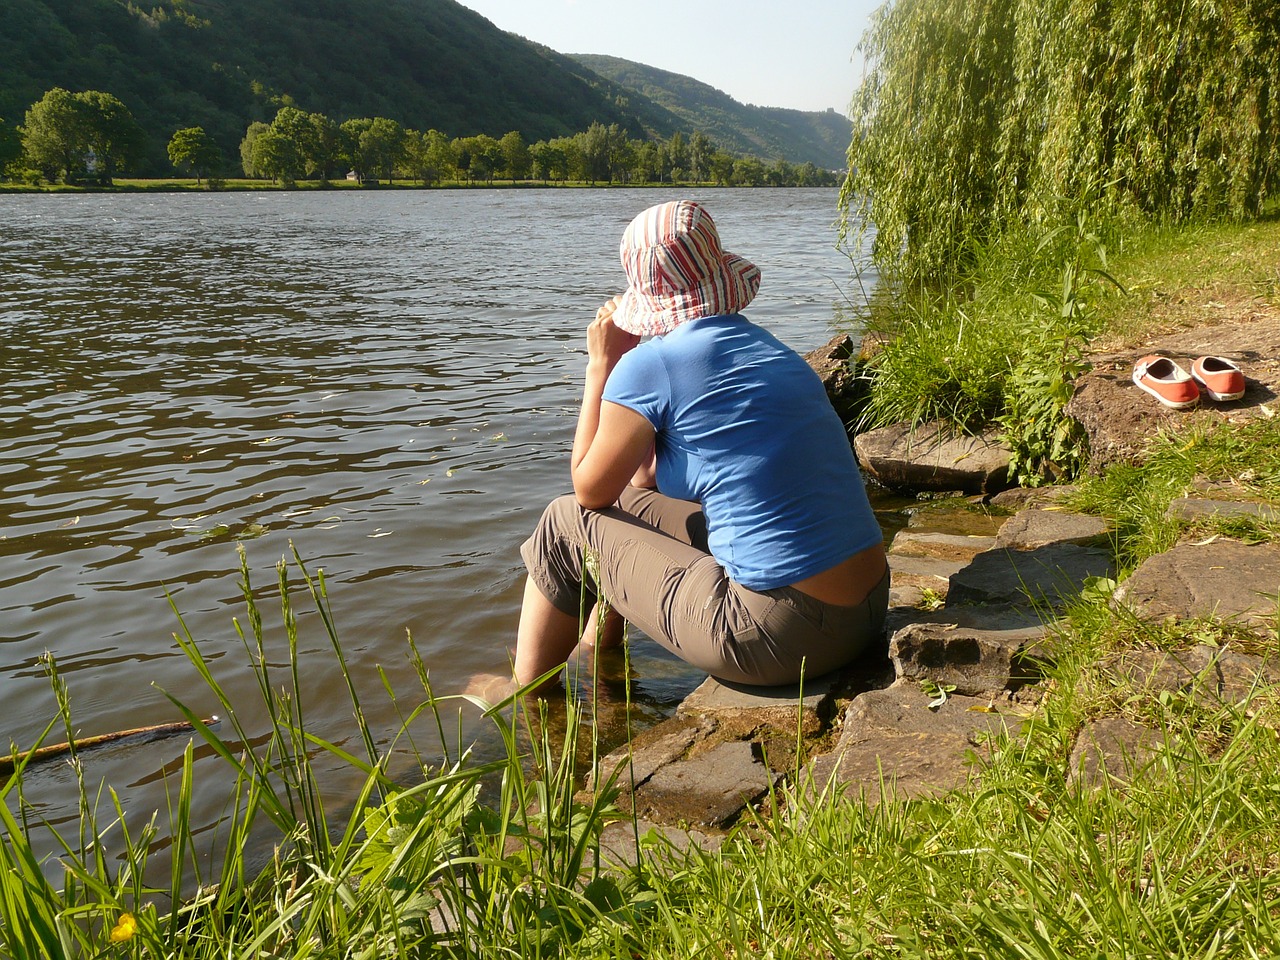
{"x": 428, "y": 64}
{"x": 222, "y": 64}
{"x": 768, "y": 132}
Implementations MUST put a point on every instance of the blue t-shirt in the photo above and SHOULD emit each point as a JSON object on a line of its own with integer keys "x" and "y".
{"x": 745, "y": 428}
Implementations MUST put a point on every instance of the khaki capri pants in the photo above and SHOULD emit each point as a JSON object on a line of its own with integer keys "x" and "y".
{"x": 647, "y": 556}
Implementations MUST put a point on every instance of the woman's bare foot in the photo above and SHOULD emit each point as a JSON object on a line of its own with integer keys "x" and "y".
{"x": 490, "y": 687}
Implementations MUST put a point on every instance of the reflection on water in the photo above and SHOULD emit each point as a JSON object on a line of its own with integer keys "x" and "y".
{"x": 385, "y": 380}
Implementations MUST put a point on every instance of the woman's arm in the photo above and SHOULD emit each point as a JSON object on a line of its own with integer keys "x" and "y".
{"x": 611, "y": 441}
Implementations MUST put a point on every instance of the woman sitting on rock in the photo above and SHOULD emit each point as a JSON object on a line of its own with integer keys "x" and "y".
{"x": 717, "y": 504}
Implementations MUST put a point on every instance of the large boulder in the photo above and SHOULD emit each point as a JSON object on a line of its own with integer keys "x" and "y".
{"x": 837, "y": 364}
{"x": 934, "y": 457}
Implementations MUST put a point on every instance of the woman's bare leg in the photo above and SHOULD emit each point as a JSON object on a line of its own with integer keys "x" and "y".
{"x": 545, "y": 638}
{"x": 604, "y": 627}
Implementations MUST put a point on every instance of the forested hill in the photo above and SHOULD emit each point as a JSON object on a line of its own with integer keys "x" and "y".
{"x": 222, "y": 64}
{"x": 770, "y": 132}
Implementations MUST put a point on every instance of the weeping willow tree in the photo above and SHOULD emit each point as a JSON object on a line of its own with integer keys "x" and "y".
{"x": 980, "y": 116}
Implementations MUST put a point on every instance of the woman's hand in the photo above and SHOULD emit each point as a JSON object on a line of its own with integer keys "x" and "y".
{"x": 607, "y": 343}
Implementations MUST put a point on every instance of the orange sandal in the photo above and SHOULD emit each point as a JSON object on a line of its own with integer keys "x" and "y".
{"x": 1218, "y": 377}
{"x": 1166, "y": 381}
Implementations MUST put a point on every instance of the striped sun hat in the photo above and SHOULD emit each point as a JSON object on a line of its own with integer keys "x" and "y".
{"x": 677, "y": 271}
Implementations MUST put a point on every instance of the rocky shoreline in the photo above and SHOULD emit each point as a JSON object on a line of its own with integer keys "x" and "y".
{"x": 978, "y": 582}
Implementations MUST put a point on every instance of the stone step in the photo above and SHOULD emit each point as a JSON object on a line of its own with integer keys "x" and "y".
{"x": 1192, "y": 509}
{"x": 1049, "y": 576}
{"x": 951, "y": 547}
{"x": 892, "y": 737}
{"x": 1221, "y": 578}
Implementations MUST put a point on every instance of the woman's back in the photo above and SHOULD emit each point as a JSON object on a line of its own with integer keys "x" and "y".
{"x": 744, "y": 427}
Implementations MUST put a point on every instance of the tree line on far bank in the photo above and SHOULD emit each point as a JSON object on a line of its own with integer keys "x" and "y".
{"x": 91, "y": 137}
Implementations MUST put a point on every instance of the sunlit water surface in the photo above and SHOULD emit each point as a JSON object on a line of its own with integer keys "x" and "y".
{"x": 386, "y": 381}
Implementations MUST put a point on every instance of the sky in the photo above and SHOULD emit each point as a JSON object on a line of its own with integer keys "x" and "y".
{"x": 794, "y": 53}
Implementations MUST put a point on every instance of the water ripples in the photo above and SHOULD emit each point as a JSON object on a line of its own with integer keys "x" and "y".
{"x": 386, "y": 381}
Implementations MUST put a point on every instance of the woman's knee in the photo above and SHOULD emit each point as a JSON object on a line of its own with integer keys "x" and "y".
{"x": 553, "y": 553}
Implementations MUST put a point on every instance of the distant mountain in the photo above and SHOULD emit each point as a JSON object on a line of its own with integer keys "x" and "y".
{"x": 222, "y": 64}
{"x": 767, "y": 132}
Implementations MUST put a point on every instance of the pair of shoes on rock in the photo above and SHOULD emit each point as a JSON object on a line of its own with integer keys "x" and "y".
{"x": 1161, "y": 377}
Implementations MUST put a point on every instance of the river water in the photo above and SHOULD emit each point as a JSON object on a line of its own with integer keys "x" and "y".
{"x": 385, "y": 380}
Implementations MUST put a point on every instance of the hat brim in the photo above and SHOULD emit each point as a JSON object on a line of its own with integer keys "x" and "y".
{"x": 728, "y": 291}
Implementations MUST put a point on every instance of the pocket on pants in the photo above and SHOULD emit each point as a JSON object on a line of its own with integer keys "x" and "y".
{"x": 680, "y": 606}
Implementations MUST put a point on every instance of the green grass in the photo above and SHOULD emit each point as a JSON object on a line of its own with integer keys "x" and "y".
{"x": 1003, "y": 347}
{"x": 1167, "y": 269}
{"x": 501, "y": 859}
{"x": 939, "y": 361}
{"x": 1243, "y": 459}
{"x": 1181, "y": 864}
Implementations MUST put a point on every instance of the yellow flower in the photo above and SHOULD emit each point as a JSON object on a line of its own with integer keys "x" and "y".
{"x": 124, "y": 929}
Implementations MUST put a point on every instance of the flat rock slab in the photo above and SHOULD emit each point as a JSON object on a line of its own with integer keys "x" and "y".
{"x": 618, "y": 840}
{"x": 892, "y": 737}
{"x": 906, "y": 597}
{"x": 923, "y": 572}
{"x": 1211, "y": 677}
{"x": 709, "y": 789}
{"x": 740, "y": 709}
{"x": 913, "y": 580}
{"x": 1225, "y": 579}
{"x": 652, "y": 750}
{"x": 1022, "y": 498}
{"x": 1120, "y": 419}
{"x": 1038, "y": 527}
{"x": 950, "y": 547}
{"x": 1112, "y": 749}
{"x": 976, "y": 662}
{"x": 1192, "y": 509}
{"x": 930, "y": 457}
{"x": 977, "y": 617}
{"x": 1050, "y": 575}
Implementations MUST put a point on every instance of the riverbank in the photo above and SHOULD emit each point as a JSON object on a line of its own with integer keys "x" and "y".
{"x": 1173, "y": 855}
{"x": 980, "y": 582}
{"x": 1077, "y": 678}
{"x": 240, "y": 185}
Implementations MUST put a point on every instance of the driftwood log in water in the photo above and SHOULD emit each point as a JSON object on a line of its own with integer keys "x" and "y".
{"x": 154, "y": 732}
